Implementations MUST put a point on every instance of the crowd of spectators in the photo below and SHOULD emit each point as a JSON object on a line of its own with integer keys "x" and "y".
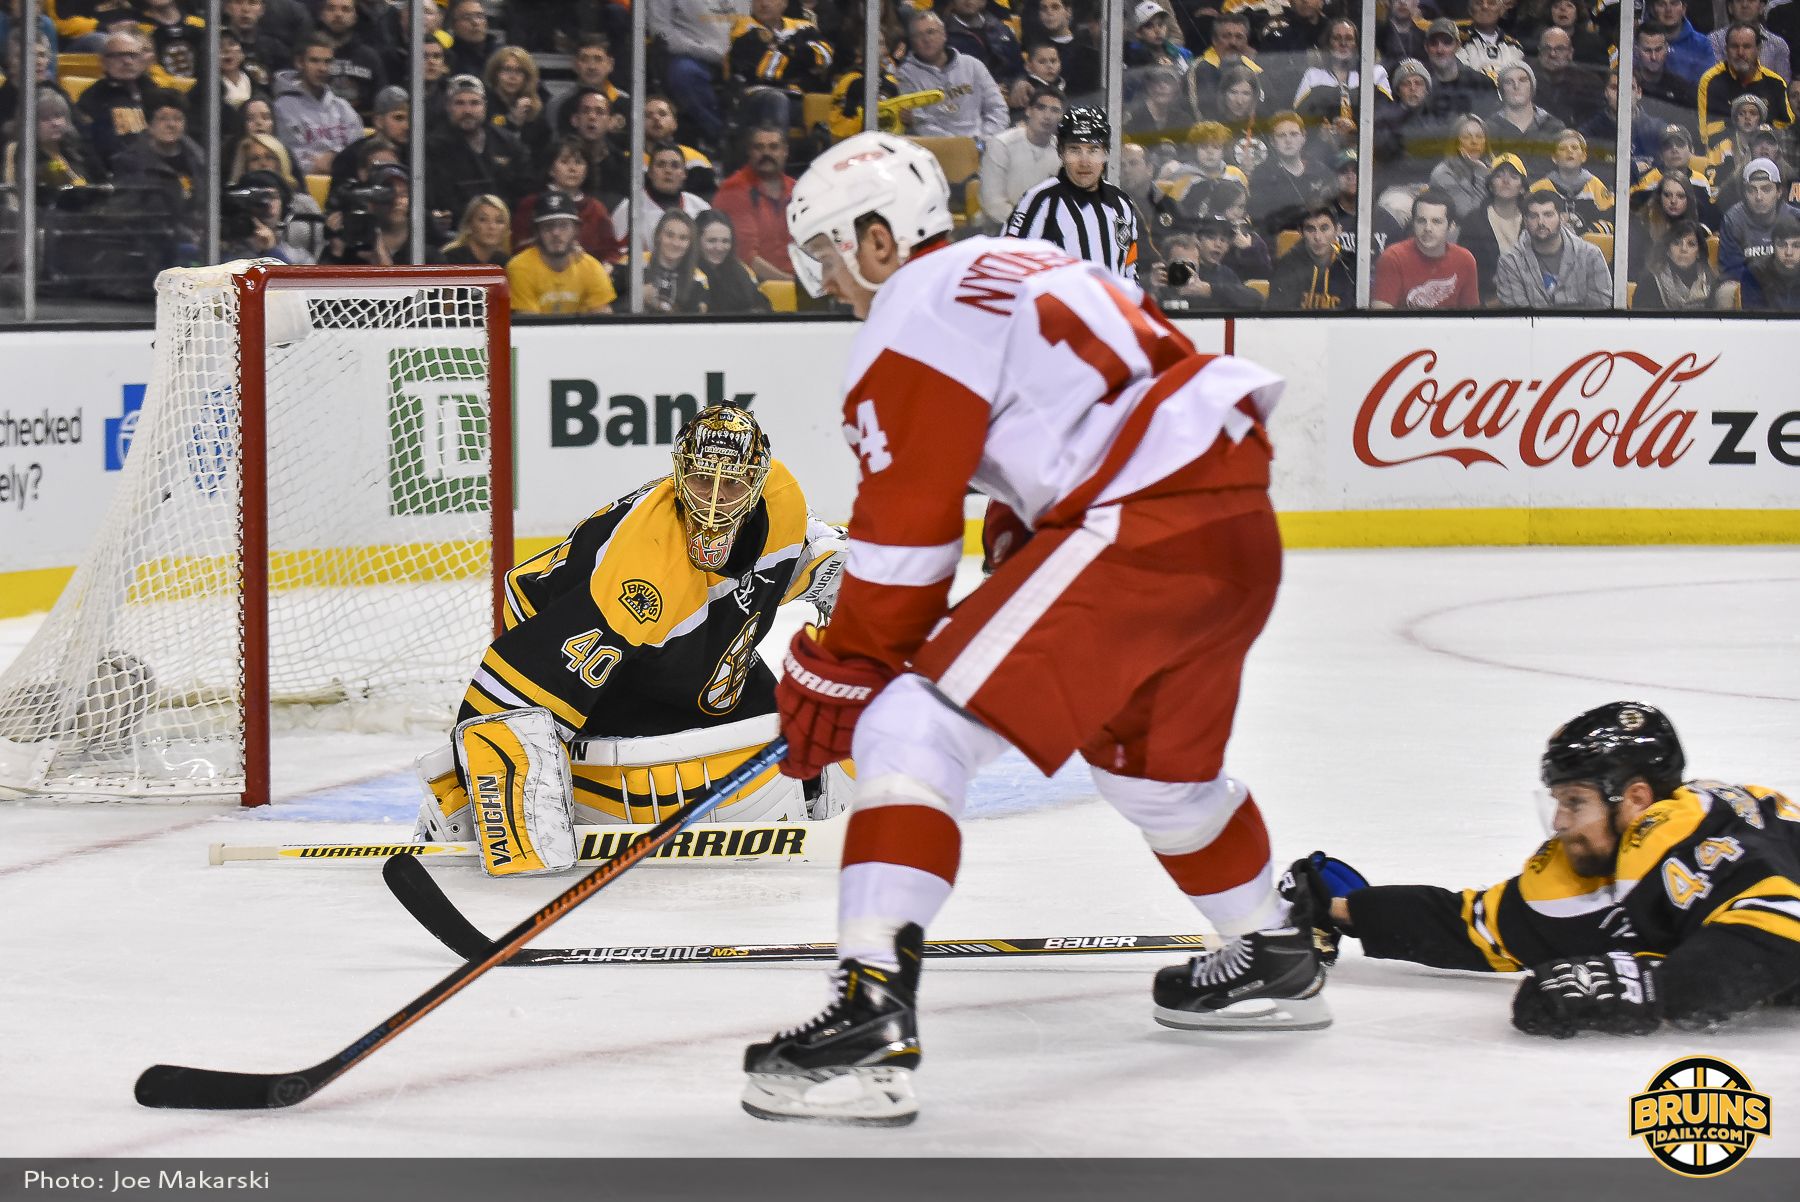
{"x": 1494, "y": 135}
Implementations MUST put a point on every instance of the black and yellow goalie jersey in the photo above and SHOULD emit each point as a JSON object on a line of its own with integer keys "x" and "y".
{"x": 617, "y": 634}
{"x": 1706, "y": 879}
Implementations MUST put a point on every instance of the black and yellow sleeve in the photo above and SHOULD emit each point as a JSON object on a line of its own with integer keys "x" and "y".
{"x": 1423, "y": 924}
{"x": 561, "y": 659}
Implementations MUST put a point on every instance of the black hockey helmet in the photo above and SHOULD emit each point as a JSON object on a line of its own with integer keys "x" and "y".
{"x": 1609, "y": 745}
{"x": 1083, "y": 125}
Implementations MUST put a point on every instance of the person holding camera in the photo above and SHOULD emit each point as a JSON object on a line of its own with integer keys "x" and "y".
{"x": 371, "y": 221}
{"x": 1193, "y": 275}
{"x": 254, "y": 214}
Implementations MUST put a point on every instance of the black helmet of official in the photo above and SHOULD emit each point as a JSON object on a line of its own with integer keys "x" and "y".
{"x": 1083, "y": 125}
{"x": 1609, "y": 745}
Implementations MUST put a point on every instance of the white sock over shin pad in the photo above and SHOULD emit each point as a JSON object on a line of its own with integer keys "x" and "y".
{"x": 1179, "y": 818}
{"x": 911, "y": 749}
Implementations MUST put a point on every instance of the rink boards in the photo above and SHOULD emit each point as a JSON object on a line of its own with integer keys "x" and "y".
{"x": 705, "y": 845}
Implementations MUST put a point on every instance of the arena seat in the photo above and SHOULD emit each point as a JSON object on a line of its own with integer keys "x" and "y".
{"x": 1630, "y": 295}
{"x": 80, "y": 66}
{"x": 815, "y": 108}
{"x": 1712, "y": 251}
{"x": 780, "y": 293}
{"x": 961, "y": 162}
{"x": 1603, "y": 241}
{"x": 1285, "y": 241}
{"x": 1261, "y": 286}
{"x": 75, "y": 85}
{"x": 319, "y": 187}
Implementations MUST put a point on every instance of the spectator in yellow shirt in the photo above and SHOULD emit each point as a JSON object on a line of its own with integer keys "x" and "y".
{"x": 556, "y": 275}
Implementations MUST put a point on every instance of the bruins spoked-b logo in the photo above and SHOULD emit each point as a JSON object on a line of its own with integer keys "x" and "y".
{"x": 1699, "y": 1116}
{"x": 642, "y": 600}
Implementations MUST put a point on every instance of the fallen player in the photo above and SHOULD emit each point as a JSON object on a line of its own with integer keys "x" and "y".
{"x": 1656, "y": 900}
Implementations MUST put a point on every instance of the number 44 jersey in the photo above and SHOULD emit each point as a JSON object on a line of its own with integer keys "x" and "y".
{"x": 1045, "y": 382}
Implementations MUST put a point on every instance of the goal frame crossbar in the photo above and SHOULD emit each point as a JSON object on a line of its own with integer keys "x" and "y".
{"x": 253, "y": 286}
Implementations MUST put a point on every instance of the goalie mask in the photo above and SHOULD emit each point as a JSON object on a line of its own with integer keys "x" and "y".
{"x": 721, "y": 461}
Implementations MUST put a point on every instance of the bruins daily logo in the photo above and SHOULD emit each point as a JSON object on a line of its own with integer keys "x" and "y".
{"x": 642, "y": 600}
{"x": 1699, "y": 1116}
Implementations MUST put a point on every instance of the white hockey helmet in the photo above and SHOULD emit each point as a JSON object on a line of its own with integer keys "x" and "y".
{"x": 873, "y": 172}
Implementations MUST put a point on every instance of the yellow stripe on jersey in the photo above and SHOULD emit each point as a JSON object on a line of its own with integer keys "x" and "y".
{"x": 1772, "y": 905}
{"x": 645, "y": 587}
{"x": 523, "y": 686}
{"x": 1481, "y": 921}
{"x": 518, "y": 605}
{"x": 1656, "y": 832}
{"x": 1550, "y": 884}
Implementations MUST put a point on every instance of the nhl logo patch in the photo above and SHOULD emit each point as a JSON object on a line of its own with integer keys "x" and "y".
{"x": 642, "y": 600}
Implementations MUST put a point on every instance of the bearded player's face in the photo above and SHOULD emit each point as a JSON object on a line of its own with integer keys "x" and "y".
{"x": 1584, "y": 825}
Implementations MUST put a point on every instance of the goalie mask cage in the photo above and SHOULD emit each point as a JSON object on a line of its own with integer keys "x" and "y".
{"x": 311, "y": 530}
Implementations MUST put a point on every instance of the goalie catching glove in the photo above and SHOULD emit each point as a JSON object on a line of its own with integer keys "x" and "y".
{"x": 821, "y": 697}
{"x": 1614, "y": 993}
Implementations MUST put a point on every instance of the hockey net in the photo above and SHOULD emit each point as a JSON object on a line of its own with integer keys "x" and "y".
{"x": 349, "y": 428}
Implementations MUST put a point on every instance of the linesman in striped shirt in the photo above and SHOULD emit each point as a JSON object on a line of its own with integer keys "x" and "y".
{"x": 1076, "y": 208}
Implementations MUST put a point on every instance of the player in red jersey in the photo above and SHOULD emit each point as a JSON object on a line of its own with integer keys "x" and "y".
{"x": 1118, "y": 630}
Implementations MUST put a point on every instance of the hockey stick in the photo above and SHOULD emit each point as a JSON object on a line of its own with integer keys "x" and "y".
{"x": 409, "y": 882}
{"x": 173, "y": 1087}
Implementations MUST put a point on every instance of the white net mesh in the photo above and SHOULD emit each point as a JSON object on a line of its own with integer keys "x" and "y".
{"x": 380, "y": 600}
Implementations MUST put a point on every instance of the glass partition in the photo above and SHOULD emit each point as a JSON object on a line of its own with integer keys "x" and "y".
{"x": 1288, "y": 156}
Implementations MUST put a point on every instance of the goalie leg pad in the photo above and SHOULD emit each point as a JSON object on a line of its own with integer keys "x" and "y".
{"x": 444, "y": 815}
{"x": 520, "y": 791}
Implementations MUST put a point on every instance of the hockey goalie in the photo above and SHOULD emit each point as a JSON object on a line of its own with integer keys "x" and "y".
{"x": 628, "y": 678}
{"x": 1139, "y": 469}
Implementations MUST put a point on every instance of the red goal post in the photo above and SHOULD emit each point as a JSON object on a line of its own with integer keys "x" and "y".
{"x": 253, "y": 287}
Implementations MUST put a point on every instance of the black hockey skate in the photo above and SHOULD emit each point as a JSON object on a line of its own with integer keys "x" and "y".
{"x": 853, "y": 1063}
{"x": 1266, "y": 980}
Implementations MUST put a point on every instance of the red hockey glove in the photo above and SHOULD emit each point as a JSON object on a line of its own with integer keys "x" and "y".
{"x": 821, "y": 697}
{"x": 1003, "y": 532}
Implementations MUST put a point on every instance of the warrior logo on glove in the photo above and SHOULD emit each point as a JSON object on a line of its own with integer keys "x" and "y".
{"x": 1699, "y": 1116}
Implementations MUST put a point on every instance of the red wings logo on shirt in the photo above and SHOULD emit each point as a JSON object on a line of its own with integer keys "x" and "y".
{"x": 1432, "y": 294}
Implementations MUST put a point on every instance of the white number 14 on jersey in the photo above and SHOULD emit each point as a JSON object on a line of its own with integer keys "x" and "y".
{"x": 867, "y": 439}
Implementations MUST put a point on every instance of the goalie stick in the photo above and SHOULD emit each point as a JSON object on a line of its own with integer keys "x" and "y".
{"x": 409, "y": 882}
{"x": 171, "y": 1086}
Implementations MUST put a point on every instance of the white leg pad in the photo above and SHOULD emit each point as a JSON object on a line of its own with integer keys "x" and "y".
{"x": 910, "y": 731}
{"x": 520, "y": 789}
{"x": 1176, "y": 816}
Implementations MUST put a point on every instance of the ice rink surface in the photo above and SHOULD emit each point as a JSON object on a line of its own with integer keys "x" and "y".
{"x": 1392, "y": 715}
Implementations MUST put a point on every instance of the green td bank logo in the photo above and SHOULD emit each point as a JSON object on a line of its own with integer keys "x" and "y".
{"x": 437, "y": 431}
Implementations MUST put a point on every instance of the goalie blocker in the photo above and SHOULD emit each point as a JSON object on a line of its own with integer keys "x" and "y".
{"x": 528, "y": 800}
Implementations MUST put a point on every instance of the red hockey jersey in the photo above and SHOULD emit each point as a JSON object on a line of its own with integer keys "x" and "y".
{"x": 1044, "y": 381}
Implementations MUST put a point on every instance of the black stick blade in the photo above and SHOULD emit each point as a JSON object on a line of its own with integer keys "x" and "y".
{"x": 171, "y": 1087}
{"x": 413, "y": 887}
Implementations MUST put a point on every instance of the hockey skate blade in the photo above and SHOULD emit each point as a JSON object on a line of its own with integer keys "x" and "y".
{"x": 1254, "y": 1014}
{"x": 855, "y": 1097}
